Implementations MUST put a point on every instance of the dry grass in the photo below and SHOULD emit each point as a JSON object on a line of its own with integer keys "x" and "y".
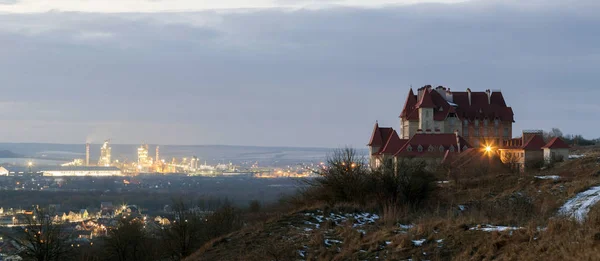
{"x": 444, "y": 221}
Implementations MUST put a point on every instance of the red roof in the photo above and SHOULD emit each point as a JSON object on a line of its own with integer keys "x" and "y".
{"x": 380, "y": 136}
{"x": 409, "y": 105}
{"x": 426, "y": 101}
{"x": 557, "y": 143}
{"x": 393, "y": 144}
{"x": 481, "y": 106}
{"x": 535, "y": 143}
{"x": 425, "y": 140}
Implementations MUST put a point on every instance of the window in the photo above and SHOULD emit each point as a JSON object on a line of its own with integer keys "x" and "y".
{"x": 476, "y": 123}
{"x": 451, "y": 120}
{"x": 496, "y": 122}
{"x": 505, "y": 132}
{"x": 409, "y": 148}
{"x": 420, "y": 148}
{"x": 466, "y": 148}
{"x": 496, "y": 132}
{"x": 442, "y": 149}
{"x": 485, "y": 132}
{"x": 476, "y": 132}
{"x": 465, "y": 130}
{"x": 485, "y": 122}
{"x": 431, "y": 149}
{"x": 451, "y": 149}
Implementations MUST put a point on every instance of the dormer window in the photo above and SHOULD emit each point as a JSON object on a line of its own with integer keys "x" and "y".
{"x": 420, "y": 148}
{"x": 441, "y": 148}
{"x": 451, "y": 149}
{"x": 465, "y": 148}
{"x": 431, "y": 149}
{"x": 409, "y": 148}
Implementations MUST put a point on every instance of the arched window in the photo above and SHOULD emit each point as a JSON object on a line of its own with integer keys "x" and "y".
{"x": 420, "y": 148}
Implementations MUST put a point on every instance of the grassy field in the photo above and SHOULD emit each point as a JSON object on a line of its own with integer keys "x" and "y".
{"x": 490, "y": 216}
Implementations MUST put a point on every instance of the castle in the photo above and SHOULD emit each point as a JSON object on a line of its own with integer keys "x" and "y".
{"x": 436, "y": 123}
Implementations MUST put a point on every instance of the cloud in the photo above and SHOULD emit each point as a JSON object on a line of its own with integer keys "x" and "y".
{"x": 289, "y": 77}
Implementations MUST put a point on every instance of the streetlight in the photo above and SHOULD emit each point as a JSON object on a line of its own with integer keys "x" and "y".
{"x": 30, "y": 164}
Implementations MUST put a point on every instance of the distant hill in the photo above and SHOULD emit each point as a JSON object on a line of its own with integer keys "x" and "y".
{"x": 212, "y": 154}
{"x": 9, "y": 154}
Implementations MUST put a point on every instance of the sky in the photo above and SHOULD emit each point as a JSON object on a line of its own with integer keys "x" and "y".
{"x": 284, "y": 72}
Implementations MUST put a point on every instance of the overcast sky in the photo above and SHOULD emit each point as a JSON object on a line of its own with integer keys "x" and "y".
{"x": 284, "y": 72}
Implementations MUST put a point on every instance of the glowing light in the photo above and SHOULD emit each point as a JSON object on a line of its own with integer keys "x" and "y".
{"x": 488, "y": 148}
{"x": 30, "y": 164}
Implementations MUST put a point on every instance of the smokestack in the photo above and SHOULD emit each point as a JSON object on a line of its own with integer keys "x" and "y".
{"x": 87, "y": 154}
{"x": 157, "y": 153}
{"x": 469, "y": 93}
{"x": 489, "y": 95}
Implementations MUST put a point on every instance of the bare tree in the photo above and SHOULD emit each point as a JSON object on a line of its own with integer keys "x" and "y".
{"x": 43, "y": 239}
{"x": 128, "y": 241}
{"x": 184, "y": 235}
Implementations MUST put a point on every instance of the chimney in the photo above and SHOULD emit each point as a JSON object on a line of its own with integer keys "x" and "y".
{"x": 489, "y": 95}
{"x": 442, "y": 91}
{"x": 87, "y": 154}
{"x": 457, "y": 140}
{"x": 469, "y": 93}
{"x": 449, "y": 96}
{"x": 157, "y": 154}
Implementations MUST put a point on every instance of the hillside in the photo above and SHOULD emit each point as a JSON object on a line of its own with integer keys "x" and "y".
{"x": 489, "y": 216}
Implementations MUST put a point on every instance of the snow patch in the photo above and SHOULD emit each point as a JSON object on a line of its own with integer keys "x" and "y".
{"x": 330, "y": 242}
{"x": 579, "y": 206}
{"x": 490, "y": 228}
{"x": 419, "y": 243}
{"x": 554, "y": 177}
{"x": 576, "y": 156}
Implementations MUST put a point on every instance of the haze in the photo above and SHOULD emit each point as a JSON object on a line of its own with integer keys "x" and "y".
{"x": 283, "y": 72}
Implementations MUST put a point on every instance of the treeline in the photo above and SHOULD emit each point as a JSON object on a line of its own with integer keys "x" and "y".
{"x": 91, "y": 200}
{"x": 571, "y": 139}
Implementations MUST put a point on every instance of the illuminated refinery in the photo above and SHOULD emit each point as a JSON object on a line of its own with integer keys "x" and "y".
{"x": 145, "y": 163}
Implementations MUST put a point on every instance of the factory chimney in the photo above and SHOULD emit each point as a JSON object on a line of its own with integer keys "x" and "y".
{"x": 157, "y": 154}
{"x": 87, "y": 154}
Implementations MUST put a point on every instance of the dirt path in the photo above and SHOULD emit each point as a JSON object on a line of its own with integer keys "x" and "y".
{"x": 579, "y": 206}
